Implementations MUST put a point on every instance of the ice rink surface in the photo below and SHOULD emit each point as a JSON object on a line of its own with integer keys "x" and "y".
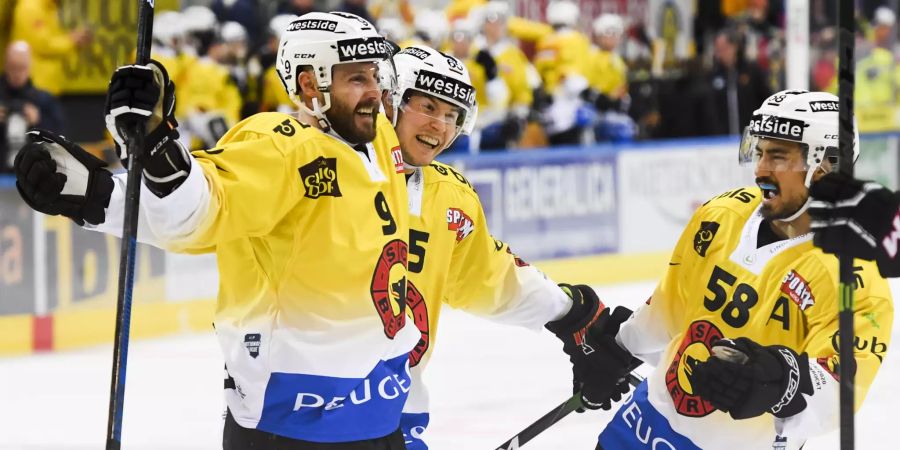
{"x": 487, "y": 382}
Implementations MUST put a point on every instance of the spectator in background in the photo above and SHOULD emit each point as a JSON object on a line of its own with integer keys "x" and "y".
{"x": 358, "y": 7}
{"x": 37, "y": 23}
{"x": 760, "y": 27}
{"x": 738, "y": 86}
{"x": 297, "y": 7}
{"x": 491, "y": 93}
{"x": 877, "y": 78}
{"x": 274, "y": 96}
{"x": 244, "y": 12}
{"x": 515, "y": 70}
{"x": 22, "y": 106}
{"x": 609, "y": 81}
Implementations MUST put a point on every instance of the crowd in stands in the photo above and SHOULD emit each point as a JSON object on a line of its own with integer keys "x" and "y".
{"x": 558, "y": 79}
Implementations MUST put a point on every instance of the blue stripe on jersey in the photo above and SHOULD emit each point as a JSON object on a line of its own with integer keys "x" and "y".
{"x": 413, "y": 425}
{"x": 331, "y": 409}
{"x": 638, "y": 425}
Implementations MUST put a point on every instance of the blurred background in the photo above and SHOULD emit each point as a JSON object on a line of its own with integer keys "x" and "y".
{"x": 602, "y": 125}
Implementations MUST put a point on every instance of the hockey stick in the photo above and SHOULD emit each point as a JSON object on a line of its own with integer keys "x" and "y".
{"x": 135, "y": 143}
{"x": 846, "y": 48}
{"x": 547, "y": 420}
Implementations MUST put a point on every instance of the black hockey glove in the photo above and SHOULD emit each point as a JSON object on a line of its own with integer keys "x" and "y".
{"x": 485, "y": 60}
{"x": 588, "y": 332}
{"x": 857, "y": 218}
{"x": 746, "y": 379}
{"x": 137, "y": 92}
{"x": 57, "y": 177}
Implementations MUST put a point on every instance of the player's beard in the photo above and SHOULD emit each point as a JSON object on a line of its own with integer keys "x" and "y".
{"x": 785, "y": 205}
{"x": 347, "y": 123}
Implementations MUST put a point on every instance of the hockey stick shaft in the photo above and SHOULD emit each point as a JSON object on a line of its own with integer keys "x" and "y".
{"x": 555, "y": 415}
{"x": 846, "y": 82}
{"x": 134, "y": 137}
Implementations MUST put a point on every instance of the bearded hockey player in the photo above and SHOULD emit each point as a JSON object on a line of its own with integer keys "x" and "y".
{"x": 309, "y": 222}
{"x": 742, "y": 329}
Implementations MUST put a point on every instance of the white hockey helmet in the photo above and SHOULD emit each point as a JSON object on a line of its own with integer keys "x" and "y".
{"x": 428, "y": 71}
{"x": 233, "y": 32}
{"x": 321, "y": 41}
{"x": 609, "y": 25}
{"x": 809, "y": 118}
{"x": 168, "y": 28}
{"x": 495, "y": 11}
{"x": 562, "y": 13}
{"x": 199, "y": 18}
{"x": 432, "y": 25}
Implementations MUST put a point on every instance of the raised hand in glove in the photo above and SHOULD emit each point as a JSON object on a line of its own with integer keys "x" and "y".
{"x": 588, "y": 333}
{"x": 146, "y": 92}
{"x": 485, "y": 60}
{"x": 857, "y": 218}
{"x": 747, "y": 380}
{"x": 57, "y": 177}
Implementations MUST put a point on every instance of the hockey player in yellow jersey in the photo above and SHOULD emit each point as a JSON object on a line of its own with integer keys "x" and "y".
{"x": 309, "y": 222}
{"x": 454, "y": 260}
{"x": 742, "y": 329}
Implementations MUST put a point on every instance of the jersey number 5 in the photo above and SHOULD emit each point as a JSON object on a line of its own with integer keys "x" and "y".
{"x": 737, "y": 311}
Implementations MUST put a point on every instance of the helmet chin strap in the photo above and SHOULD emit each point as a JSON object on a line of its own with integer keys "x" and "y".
{"x": 797, "y": 214}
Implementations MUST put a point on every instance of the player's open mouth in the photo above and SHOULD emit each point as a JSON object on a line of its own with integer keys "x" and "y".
{"x": 366, "y": 112}
{"x": 428, "y": 141}
{"x": 769, "y": 190}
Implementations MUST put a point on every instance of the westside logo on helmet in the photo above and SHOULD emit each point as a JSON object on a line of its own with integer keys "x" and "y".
{"x": 313, "y": 24}
{"x": 777, "y": 127}
{"x": 415, "y": 51}
{"x": 442, "y": 85}
{"x": 824, "y": 106}
{"x": 362, "y": 48}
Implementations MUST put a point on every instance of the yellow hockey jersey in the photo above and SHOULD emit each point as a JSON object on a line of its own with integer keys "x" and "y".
{"x": 720, "y": 285}
{"x": 560, "y": 54}
{"x": 454, "y": 260}
{"x": 513, "y": 67}
{"x": 274, "y": 96}
{"x": 609, "y": 74}
{"x": 310, "y": 237}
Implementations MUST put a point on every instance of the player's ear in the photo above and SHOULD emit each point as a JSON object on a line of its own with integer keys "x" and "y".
{"x": 306, "y": 84}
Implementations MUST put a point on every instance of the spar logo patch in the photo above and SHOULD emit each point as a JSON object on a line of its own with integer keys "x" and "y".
{"x": 704, "y": 237}
{"x": 389, "y": 286}
{"x": 460, "y": 222}
{"x": 694, "y": 349}
{"x": 397, "y": 156}
{"x": 797, "y": 289}
{"x": 320, "y": 178}
{"x": 252, "y": 342}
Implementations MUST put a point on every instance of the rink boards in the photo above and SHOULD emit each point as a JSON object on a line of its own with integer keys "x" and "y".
{"x": 597, "y": 215}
